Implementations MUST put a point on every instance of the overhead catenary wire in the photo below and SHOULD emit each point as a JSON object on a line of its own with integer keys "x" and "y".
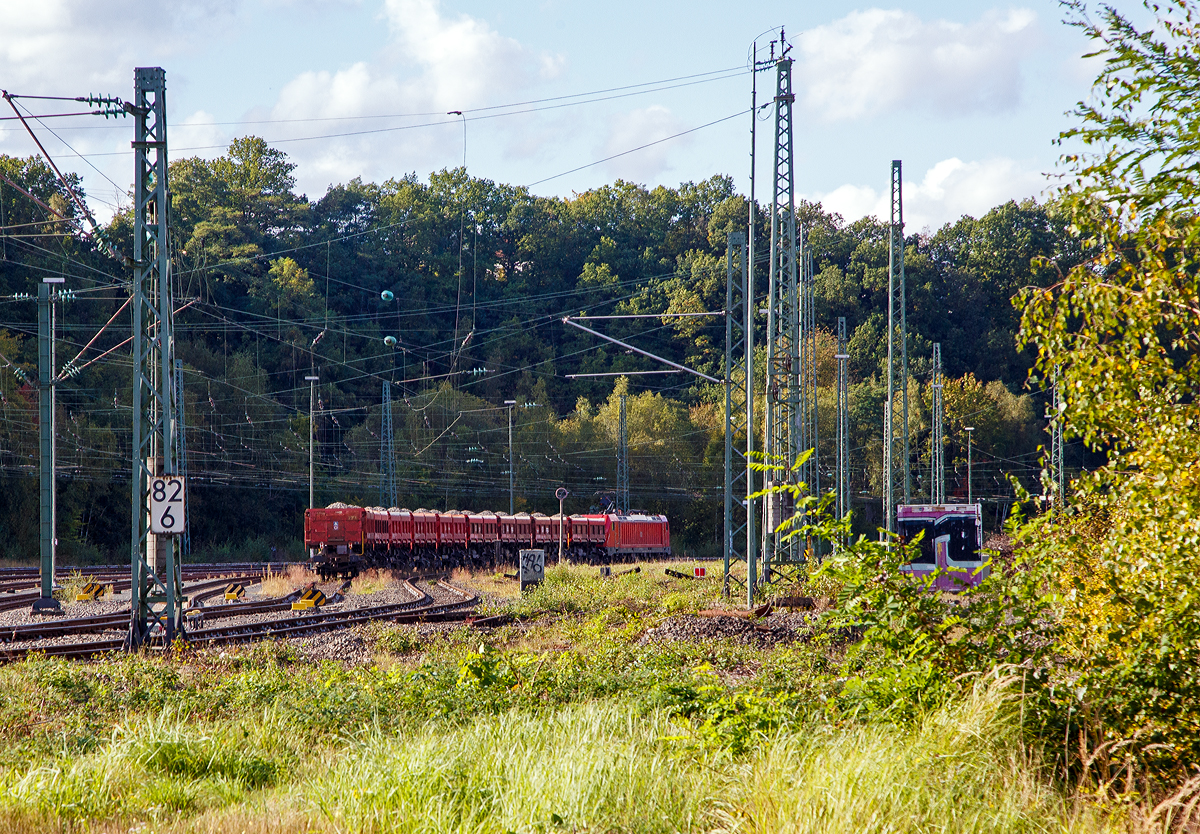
{"x": 728, "y": 72}
{"x": 370, "y": 358}
{"x": 81, "y": 156}
{"x": 638, "y": 148}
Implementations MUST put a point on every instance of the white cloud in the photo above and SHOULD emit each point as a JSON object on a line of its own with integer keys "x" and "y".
{"x": 434, "y": 59}
{"x": 948, "y": 190}
{"x": 198, "y": 130}
{"x": 76, "y": 47}
{"x": 874, "y": 61}
{"x": 431, "y": 64}
{"x": 464, "y": 61}
{"x": 634, "y": 129}
{"x": 79, "y": 46}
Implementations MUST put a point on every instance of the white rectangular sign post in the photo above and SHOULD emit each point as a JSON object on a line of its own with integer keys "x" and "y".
{"x": 533, "y": 567}
{"x": 167, "y": 505}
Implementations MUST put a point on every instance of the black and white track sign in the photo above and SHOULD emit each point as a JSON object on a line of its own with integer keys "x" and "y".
{"x": 167, "y": 505}
{"x": 532, "y": 567}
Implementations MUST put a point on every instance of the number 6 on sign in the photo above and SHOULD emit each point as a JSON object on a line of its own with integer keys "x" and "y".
{"x": 167, "y": 505}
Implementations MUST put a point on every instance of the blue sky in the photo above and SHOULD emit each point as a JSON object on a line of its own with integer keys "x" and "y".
{"x": 969, "y": 95}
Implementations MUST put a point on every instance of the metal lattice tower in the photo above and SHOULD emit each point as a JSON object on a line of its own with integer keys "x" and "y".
{"x": 896, "y": 475}
{"x": 154, "y": 599}
{"x": 740, "y": 530}
{"x": 806, "y": 417}
{"x": 181, "y": 453}
{"x": 842, "y": 468}
{"x": 783, "y": 325}
{"x": 1056, "y": 445}
{"x": 937, "y": 443}
{"x": 622, "y": 463}
{"x": 387, "y": 452}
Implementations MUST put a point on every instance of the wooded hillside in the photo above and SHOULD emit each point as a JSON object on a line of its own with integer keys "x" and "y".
{"x": 275, "y": 286}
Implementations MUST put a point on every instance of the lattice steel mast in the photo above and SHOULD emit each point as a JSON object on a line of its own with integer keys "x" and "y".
{"x": 842, "y": 467}
{"x": 896, "y": 475}
{"x": 741, "y": 535}
{"x": 806, "y": 417}
{"x": 387, "y": 452}
{"x": 153, "y": 599}
{"x": 937, "y": 444}
{"x": 622, "y": 463}
{"x": 783, "y": 323}
{"x": 1056, "y": 444}
{"x": 181, "y": 453}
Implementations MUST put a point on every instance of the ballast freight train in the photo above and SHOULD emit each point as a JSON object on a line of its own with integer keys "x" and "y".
{"x": 343, "y": 540}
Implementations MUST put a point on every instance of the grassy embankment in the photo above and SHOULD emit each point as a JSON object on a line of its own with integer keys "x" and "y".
{"x": 568, "y": 721}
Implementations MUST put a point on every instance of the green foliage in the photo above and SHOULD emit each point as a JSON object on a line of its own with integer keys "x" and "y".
{"x": 917, "y": 644}
{"x": 1118, "y": 334}
{"x": 734, "y": 721}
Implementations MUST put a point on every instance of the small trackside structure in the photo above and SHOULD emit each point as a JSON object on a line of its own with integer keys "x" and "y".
{"x": 952, "y": 541}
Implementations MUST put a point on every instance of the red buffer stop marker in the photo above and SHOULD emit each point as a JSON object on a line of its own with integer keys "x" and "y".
{"x": 699, "y": 572}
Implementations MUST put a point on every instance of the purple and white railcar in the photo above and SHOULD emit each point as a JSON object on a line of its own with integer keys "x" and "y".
{"x": 953, "y": 542}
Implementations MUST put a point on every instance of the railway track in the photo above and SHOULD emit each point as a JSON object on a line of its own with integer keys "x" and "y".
{"x": 20, "y": 592}
{"x": 86, "y": 570}
{"x": 421, "y": 608}
{"x": 120, "y": 619}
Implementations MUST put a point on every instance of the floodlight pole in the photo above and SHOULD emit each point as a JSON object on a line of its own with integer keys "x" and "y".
{"x": 561, "y": 493}
{"x": 970, "y": 494}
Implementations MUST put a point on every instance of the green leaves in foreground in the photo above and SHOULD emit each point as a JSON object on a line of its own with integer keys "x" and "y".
{"x": 1118, "y": 334}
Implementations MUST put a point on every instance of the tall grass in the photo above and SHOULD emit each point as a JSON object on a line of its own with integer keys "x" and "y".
{"x": 157, "y": 769}
{"x": 962, "y": 770}
{"x": 283, "y": 582}
{"x": 579, "y": 589}
{"x": 370, "y": 581}
{"x": 603, "y": 766}
{"x": 592, "y": 767}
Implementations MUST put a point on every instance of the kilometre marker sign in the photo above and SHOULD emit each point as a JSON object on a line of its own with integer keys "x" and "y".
{"x": 167, "y": 505}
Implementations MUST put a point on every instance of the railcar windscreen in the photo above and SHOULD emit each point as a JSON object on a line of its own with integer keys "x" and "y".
{"x": 963, "y": 540}
{"x": 909, "y": 529}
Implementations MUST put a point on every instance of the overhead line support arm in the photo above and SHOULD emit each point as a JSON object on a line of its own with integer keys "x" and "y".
{"x": 568, "y": 320}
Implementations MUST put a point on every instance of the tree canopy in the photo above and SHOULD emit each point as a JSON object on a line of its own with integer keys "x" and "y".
{"x": 471, "y": 279}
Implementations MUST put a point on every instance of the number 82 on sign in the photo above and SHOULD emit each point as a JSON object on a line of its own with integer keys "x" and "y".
{"x": 167, "y": 505}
